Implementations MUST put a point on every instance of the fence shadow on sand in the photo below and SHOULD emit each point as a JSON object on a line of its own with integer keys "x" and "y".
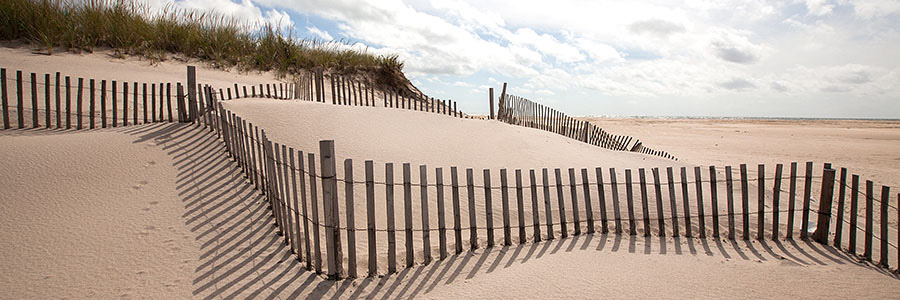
{"x": 244, "y": 256}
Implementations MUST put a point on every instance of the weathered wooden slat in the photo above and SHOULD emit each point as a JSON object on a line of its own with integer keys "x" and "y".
{"x": 701, "y": 216}
{"x": 332, "y": 216}
{"x": 870, "y": 220}
{"x": 5, "y": 99}
{"x": 535, "y": 209}
{"x": 351, "y": 218}
{"x": 839, "y": 224}
{"x": 442, "y": 225}
{"x": 78, "y": 103}
{"x": 614, "y": 186}
{"x": 807, "y": 193}
{"x": 548, "y": 213}
{"x": 561, "y": 203}
{"x": 520, "y": 205}
{"x": 826, "y": 198}
{"x": 473, "y": 224}
{"x": 854, "y": 212}
{"x": 34, "y": 100}
{"x": 588, "y": 207}
{"x": 714, "y": 200}
{"x": 629, "y": 195}
{"x": 488, "y": 208}
{"x": 729, "y": 185}
{"x": 645, "y": 207}
{"x": 576, "y": 220}
{"x": 673, "y": 205}
{"x": 601, "y": 193}
{"x": 426, "y": 229}
{"x": 761, "y": 203}
{"x": 745, "y": 203}
{"x": 389, "y": 209}
{"x": 303, "y": 207}
{"x": 457, "y": 223}
{"x": 776, "y": 198}
{"x": 47, "y": 107}
{"x": 686, "y": 201}
{"x": 792, "y": 200}
{"x": 504, "y": 194}
{"x": 661, "y": 230}
{"x": 136, "y": 109}
{"x": 20, "y": 105}
{"x": 407, "y": 212}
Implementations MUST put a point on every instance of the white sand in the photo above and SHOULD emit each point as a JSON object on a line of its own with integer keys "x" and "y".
{"x": 86, "y": 215}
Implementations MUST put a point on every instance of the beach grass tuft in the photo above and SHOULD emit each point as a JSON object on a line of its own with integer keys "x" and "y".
{"x": 129, "y": 27}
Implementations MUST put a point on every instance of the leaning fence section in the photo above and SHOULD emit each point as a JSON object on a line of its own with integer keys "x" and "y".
{"x": 523, "y": 112}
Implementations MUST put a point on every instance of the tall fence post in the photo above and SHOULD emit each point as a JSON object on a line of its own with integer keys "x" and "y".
{"x": 491, "y": 101}
{"x": 821, "y": 233}
{"x": 330, "y": 199}
{"x": 191, "y": 91}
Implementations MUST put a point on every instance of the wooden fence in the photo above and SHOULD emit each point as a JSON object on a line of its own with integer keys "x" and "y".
{"x": 344, "y": 90}
{"x": 318, "y": 198}
{"x": 523, "y": 112}
{"x": 63, "y": 102}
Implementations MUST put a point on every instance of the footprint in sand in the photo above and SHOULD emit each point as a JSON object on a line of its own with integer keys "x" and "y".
{"x": 140, "y": 184}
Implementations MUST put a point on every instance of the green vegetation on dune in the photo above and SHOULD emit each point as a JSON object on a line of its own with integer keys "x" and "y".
{"x": 132, "y": 28}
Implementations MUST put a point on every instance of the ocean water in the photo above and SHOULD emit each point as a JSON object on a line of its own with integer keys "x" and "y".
{"x": 738, "y": 118}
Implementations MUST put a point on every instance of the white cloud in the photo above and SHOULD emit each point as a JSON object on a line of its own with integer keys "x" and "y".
{"x": 319, "y": 33}
{"x": 734, "y": 46}
{"x": 636, "y": 50}
{"x": 819, "y": 7}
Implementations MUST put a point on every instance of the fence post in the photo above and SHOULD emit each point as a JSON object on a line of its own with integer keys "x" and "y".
{"x": 457, "y": 230}
{"x": 807, "y": 190}
{"x": 426, "y": 229}
{"x": 885, "y": 197}
{"x": 507, "y": 240}
{"x": 501, "y": 113}
{"x": 838, "y": 225}
{"x": 821, "y": 233}
{"x": 351, "y": 218}
{"x": 370, "y": 215}
{"x": 442, "y": 223}
{"x": 536, "y": 219}
{"x": 470, "y": 192}
{"x": 488, "y": 208}
{"x": 191, "y": 90}
{"x": 604, "y": 227}
{"x": 389, "y": 202}
{"x": 491, "y": 100}
{"x": 5, "y": 100}
{"x": 329, "y": 196}
{"x": 407, "y": 214}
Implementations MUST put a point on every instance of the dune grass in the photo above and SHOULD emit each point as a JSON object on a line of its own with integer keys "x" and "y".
{"x": 132, "y": 28}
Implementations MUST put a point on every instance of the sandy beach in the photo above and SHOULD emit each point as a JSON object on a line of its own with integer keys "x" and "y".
{"x": 161, "y": 211}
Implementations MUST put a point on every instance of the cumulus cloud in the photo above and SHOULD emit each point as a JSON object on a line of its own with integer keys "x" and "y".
{"x": 732, "y": 46}
{"x": 656, "y": 27}
{"x": 319, "y": 33}
{"x": 876, "y": 8}
{"x": 737, "y": 84}
{"x": 819, "y": 7}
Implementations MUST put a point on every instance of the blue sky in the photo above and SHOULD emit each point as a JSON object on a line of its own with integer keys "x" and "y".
{"x": 812, "y": 58}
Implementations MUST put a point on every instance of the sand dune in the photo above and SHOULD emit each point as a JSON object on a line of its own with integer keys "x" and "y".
{"x": 159, "y": 211}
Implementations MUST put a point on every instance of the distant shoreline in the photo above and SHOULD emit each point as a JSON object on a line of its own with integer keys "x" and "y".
{"x": 739, "y": 118}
